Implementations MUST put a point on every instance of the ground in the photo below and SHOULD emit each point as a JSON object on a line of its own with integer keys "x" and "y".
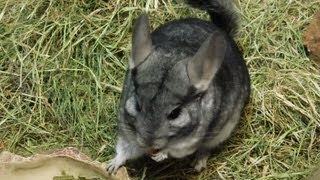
{"x": 62, "y": 64}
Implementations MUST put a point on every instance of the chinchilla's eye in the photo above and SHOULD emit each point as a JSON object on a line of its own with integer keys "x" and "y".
{"x": 174, "y": 114}
{"x": 132, "y": 106}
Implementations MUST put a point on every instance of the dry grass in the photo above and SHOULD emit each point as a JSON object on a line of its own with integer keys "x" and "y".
{"x": 62, "y": 65}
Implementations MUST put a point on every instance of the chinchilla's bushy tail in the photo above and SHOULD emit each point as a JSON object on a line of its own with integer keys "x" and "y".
{"x": 222, "y": 13}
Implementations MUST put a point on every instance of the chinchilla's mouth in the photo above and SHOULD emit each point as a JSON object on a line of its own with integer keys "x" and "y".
{"x": 153, "y": 151}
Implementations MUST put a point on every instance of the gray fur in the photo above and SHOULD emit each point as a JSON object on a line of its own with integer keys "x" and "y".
{"x": 184, "y": 91}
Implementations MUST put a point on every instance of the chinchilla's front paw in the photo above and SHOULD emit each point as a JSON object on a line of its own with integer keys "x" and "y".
{"x": 114, "y": 164}
{"x": 160, "y": 156}
{"x": 200, "y": 162}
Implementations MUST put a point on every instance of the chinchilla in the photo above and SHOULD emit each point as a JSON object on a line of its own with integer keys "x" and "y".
{"x": 185, "y": 88}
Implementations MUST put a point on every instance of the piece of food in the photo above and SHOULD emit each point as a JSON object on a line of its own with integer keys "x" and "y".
{"x": 65, "y": 164}
{"x": 315, "y": 174}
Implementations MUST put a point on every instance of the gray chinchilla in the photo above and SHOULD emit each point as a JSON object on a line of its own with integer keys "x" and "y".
{"x": 185, "y": 87}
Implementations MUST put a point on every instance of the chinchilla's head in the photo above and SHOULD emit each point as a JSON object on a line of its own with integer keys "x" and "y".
{"x": 161, "y": 99}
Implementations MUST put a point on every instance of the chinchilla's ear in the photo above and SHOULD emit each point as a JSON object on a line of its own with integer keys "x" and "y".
{"x": 141, "y": 41}
{"x": 207, "y": 61}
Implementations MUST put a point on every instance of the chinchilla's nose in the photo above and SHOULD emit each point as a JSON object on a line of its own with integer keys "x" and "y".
{"x": 145, "y": 132}
{"x": 141, "y": 142}
{"x": 144, "y": 140}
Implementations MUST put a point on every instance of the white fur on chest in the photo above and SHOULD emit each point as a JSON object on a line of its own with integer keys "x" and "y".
{"x": 183, "y": 148}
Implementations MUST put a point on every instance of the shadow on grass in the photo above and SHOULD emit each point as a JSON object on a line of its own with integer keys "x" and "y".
{"x": 170, "y": 169}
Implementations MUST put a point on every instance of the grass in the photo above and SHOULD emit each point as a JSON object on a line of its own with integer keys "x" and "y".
{"x": 62, "y": 64}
